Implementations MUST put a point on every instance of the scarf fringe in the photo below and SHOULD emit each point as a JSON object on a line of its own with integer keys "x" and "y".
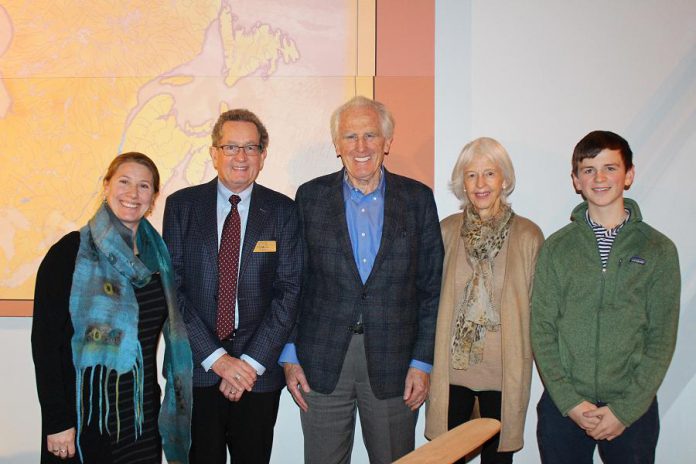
{"x": 108, "y": 406}
{"x": 101, "y": 397}
{"x": 104, "y": 407}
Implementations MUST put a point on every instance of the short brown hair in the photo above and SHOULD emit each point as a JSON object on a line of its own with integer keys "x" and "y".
{"x": 135, "y": 157}
{"x": 244, "y": 115}
{"x": 596, "y": 141}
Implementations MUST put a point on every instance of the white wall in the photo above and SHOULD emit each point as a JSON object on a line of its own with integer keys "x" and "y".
{"x": 538, "y": 76}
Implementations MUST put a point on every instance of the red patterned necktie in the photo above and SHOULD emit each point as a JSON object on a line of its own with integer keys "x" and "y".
{"x": 228, "y": 265}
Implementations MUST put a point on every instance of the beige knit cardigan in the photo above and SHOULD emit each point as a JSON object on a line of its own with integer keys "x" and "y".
{"x": 524, "y": 241}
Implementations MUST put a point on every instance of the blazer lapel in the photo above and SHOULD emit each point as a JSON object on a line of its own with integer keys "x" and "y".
{"x": 336, "y": 208}
{"x": 393, "y": 218}
{"x": 258, "y": 215}
{"x": 206, "y": 213}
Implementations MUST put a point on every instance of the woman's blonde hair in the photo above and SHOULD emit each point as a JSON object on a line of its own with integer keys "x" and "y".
{"x": 494, "y": 151}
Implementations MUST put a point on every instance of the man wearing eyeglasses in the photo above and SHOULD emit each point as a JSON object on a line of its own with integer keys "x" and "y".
{"x": 237, "y": 259}
{"x": 366, "y": 325}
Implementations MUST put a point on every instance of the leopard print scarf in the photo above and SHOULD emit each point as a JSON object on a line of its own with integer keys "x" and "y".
{"x": 475, "y": 313}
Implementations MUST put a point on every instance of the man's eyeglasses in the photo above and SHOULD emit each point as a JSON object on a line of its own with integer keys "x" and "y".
{"x": 232, "y": 150}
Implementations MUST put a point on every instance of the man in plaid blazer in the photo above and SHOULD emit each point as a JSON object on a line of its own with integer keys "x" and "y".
{"x": 237, "y": 380}
{"x": 366, "y": 325}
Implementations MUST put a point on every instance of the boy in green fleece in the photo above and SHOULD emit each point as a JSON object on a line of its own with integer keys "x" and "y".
{"x": 605, "y": 308}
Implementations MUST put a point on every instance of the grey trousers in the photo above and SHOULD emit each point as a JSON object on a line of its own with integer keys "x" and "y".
{"x": 329, "y": 425}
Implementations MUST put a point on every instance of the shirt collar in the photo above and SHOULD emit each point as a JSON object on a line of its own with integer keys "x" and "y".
{"x": 355, "y": 194}
{"x": 614, "y": 230}
{"x": 224, "y": 193}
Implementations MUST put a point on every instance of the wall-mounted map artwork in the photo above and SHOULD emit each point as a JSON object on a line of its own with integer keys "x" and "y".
{"x": 81, "y": 82}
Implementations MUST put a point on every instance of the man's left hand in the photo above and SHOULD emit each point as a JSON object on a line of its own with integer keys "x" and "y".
{"x": 609, "y": 426}
{"x": 417, "y": 387}
{"x": 229, "y": 391}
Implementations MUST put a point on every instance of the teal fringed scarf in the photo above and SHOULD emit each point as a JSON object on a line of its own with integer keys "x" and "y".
{"x": 104, "y": 313}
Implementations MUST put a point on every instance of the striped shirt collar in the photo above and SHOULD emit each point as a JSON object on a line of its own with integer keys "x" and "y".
{"x": 600, "y": 228}
{"x": 605, "y": 237}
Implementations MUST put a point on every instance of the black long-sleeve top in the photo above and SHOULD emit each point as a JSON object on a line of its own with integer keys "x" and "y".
{"x": 51, "y": 333}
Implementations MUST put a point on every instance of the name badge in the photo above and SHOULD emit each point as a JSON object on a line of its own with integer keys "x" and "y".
{"x": 265, "y": 246}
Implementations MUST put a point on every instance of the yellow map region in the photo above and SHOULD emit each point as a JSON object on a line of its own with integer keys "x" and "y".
{"x": 81, "y": 82}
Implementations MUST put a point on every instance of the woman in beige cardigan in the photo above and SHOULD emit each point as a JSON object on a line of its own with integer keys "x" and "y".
{"x": 482, "y": 347}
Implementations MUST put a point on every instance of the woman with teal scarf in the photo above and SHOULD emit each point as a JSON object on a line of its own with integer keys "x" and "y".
{"x": 103, "y": 296}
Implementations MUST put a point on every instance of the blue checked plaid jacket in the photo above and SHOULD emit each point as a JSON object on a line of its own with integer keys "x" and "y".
{"x": 268, "y": 286}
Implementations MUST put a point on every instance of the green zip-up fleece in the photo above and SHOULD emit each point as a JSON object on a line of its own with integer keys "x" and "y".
{"x": 605, "y": 335}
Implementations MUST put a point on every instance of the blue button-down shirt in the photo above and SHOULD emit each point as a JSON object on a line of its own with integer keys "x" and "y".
{"x": 365, "y": 218}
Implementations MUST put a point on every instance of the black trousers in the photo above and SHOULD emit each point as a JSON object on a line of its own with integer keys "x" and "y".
{"x": 244, "y": 428}
{"x": 461, "y": 404}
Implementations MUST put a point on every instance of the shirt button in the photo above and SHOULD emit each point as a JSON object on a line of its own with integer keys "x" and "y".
{"x": 364, "y": 260}
{"x": 362, "y": 234}
{"x": 362, "y": 210}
